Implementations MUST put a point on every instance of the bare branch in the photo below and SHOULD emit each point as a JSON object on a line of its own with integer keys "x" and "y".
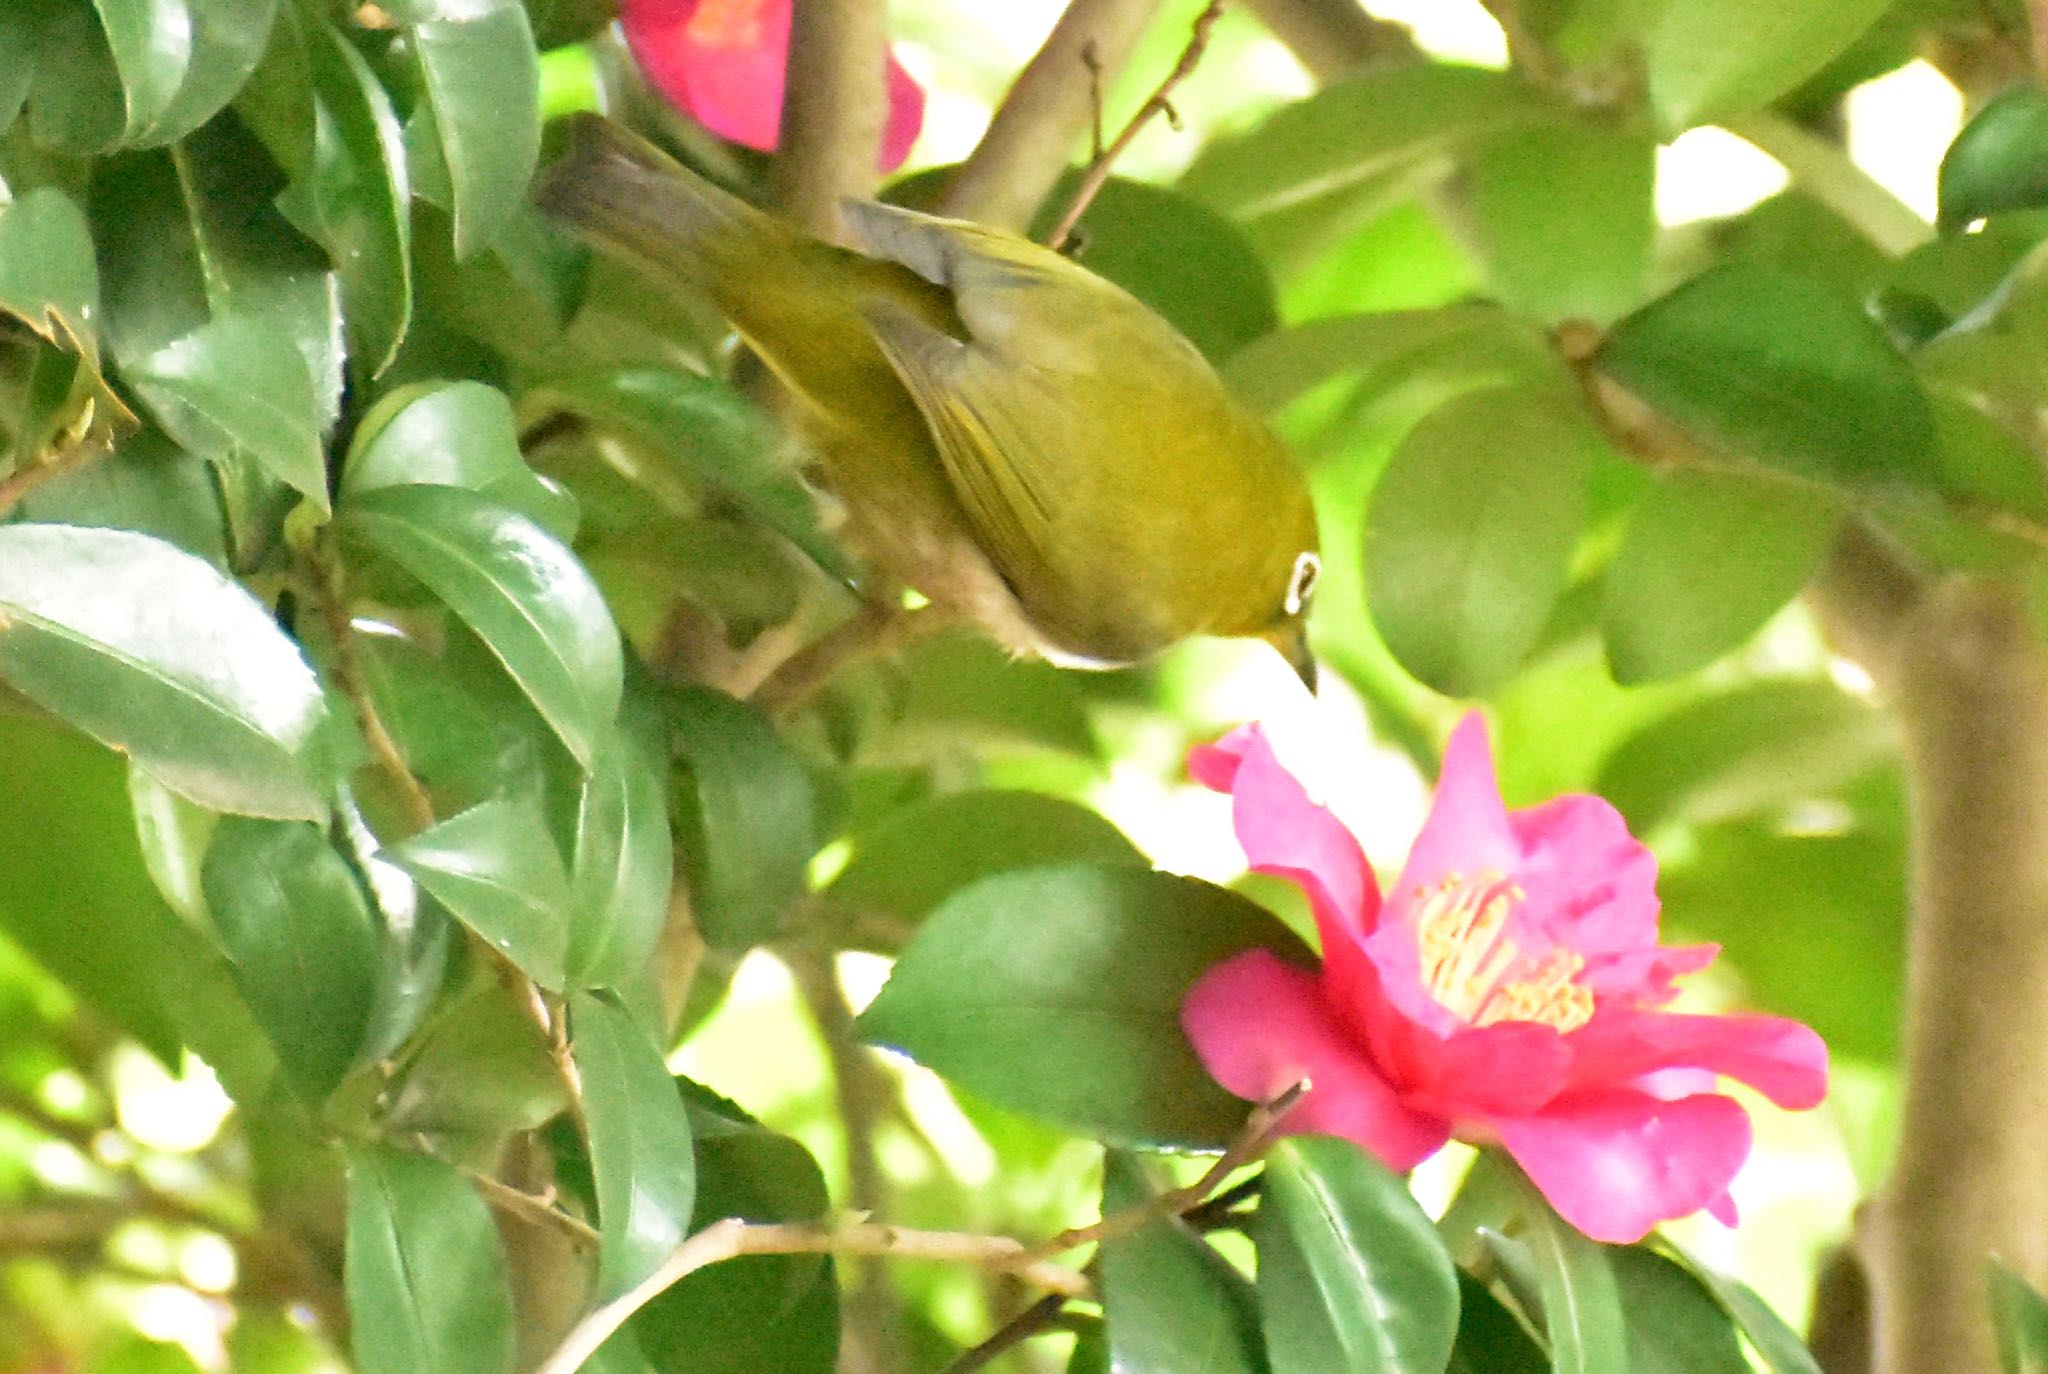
{"x": 1330, "y": 37}
{"x": 834, "y": 105}
{"x": 1032, "y": 137}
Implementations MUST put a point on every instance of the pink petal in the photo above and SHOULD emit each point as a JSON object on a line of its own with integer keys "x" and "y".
{"x": 1511, "y": 1068}
{"x": 1780, "y": 1058}
{"x": 1467, "y": 828}
{"x": 1722, "y": 1209}
{"x": 1285, "y": 834}
{"x": 1590, "y": 884}
{"x": 906, "y": 116}
{"x": 1615, "y": 1163}
{"x": 1644, "y": 977}
{"x": 1259, "y": 1026}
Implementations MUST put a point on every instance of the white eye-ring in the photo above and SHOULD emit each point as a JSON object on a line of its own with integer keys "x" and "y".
{"x": 1302, "y": 584}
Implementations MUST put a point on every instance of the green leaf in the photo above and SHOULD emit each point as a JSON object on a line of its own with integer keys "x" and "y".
{"x": 76, "y": 102}
{"x": 148, "y": 485}
{"x": 2000, "y": 159}
{"x": 152, "y": 287}
{"x": 1744, "y": 752}
{"x": 496, "y": 869}
{"x": 520, "y": 590}
{"x": 1172, "y": 1304}
{"x": 925, "y": 852}
{"x": 745, "y": 813}
{"x": 698, "y": 433}
{"x": 1056, "y": 992}
{"x": 352, "y": 198}
{"x": 481, "y": 1066}
{"x": 1709, "y": 59}
{"x": 1780, "y": 369}
{"x": 1706, "y": 559}
{"x": 228, "y": 40}
{"x": 481, "y": 79}
{"x": 1777, "y": 1343}
{"x": 47, "y": 276}
{"x": 68, "y": 847}
{"x": 1565, "y": 218}
{"x": 1352, "y": 1274}
{"x": 1582, "y": 1311}
{"x": 1491, "y": 1339}
{"x": 624, "y": 863}
{"x": 156, "y": 653}
{"x": 305, "y": 946}
{"x": 452, "y": 434}
{"x": 429, "y": 1291}
{"x": 1470, "y": 530}
{"x": 758, "y": 1312}
{"x": 151, "y": 41}
{"x": 640, "y": 1146}
{"x": 239, "y": 383}
{"x": 1674, "y": 1324}
{"x": 2019, "y": 1321}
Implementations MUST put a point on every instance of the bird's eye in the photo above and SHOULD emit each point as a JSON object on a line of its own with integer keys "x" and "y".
{"x": 1302, "y": 585}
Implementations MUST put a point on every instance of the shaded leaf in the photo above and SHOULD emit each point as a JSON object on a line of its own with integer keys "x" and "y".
{"x": 1352, "y": 1274}
{"x": 1674, "y": 1324}
{"x": 480, "y": 1066}
{"x": 2019, "y": 1321}
{"x": 1780, "y": 369}
{"x": 1780, "y": 1346}
{"x": 746, "y": 814}
{"x": 496, "y": 869}
{"x": 228, "y": 40}
{"x": 1470, "y": 530}
{"x": 640, "y": 1147}
{"x": 1712, "y": 58}
{"x": 1171, "y": 1304}
{"x": 156, "y": 653}
{"x": 480, "y": 77}
{"x": 47, "y": 276}
{"x": 1582, "y": 1312}
{"x": 428, "y": 1287}
{"x": 1056, "y": 992}
{"x": 521, "y": 591}
{"x": 1706, "y": 559}
{"x": 624, "y": 862}
{"x": 1491, "y": 1339}
{"x": 302, "y": 939}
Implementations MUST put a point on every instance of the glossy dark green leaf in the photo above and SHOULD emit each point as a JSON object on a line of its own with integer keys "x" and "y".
{"x": 1056, "y": 992}
{"x": 481, "y": 78}
{"x": 254, "y": 262}
{"x": 1744, "y": 752}
{"x": 76, "y": 102}
{"x": 352, "y": 198}
{"x": 495, "y": 867}
{"x": 1674, "y": 1324}
{"x": 228, "y": 39}
{"x": 1779, "y": 369}
{"x": 520, "y": 590}
{"x": 1565, "y": 218}
{"x": 1782, "y": 1350}
{"x": 1707, "y": 559}
{"x": 304, "y": 943}
{"x": 1712, "y": 58}
{"x": 2000, "y": 159}
{"x": 1171, "y": 1304}
{"x": 240, "y": 384}
{"x": 148, "y": 485}
{"x": 624, "y": 863}
{"x": 480, "y": 1066}
{"x": 1582, "y": 1311}
{"x": 452, "y": 434}
{"x": 156, "y": 653}
{"x": 1352, "y": 1275}
{"x": 640, "y": 1146}
{"x": 695, "y": 432}
{"x": 47, "y": 276}
{"x": 429, "y": 1291}
{"x": 2019, "y": 1321}
{"x": 924, "y": 853}
{"x": 745, "y": 813}
{"x": 151, "y": 42}
{"x": 68, "y": 847}
{"x": 21, "y": 26}
{"x": 759, "y": 1312}
{"x": 1470, "y": 530}
{"x": 1491, "y": 1339}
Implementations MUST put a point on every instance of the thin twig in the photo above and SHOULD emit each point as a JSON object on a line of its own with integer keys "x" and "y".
{"x": 1097, "y": 175}
{"x": 526, "y": 1205}
{"x": 1253, "y": 1138}
{"x": 875, "y": 628}
{"x": 732, "y": 1238}
{"x": 332, "y": 592}
{"x": 1039, "y": 1317}
{"x": 25, "y": 479}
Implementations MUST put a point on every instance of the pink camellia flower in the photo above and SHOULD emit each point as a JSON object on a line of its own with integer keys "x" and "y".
{"x": 721, "y": 62}
{"x": 1507, "y": 991}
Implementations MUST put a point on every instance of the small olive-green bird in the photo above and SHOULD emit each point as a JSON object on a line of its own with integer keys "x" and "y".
{"x": 1023, "y": 442}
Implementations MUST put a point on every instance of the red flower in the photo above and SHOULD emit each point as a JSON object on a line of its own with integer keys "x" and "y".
{"x": 722, "y": 61}
{"x": 1507, "y": 991}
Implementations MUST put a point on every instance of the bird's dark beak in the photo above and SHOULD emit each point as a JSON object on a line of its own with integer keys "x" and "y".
{"x": 1292, "y": 644}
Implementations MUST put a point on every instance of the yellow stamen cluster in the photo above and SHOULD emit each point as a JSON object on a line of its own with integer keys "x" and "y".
{"x": 1472, "y": 968}
{"x": 726, "y": 23}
